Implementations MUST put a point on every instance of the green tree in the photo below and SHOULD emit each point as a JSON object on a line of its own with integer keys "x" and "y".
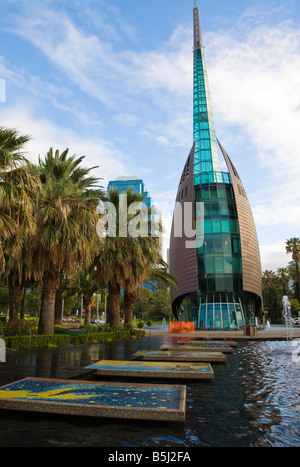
{"x": 269, "y": 280}
{"x": 293, "y": 246}
{"x": 66, "y": 218}
{"x": 17, "y": 224}
{"x": 283, "y": 276}
{"x": 123, "y": 258}
{"x": 83, "y": 284}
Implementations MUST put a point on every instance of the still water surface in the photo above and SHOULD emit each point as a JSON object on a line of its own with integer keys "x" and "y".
{"x": 253, "y": 401}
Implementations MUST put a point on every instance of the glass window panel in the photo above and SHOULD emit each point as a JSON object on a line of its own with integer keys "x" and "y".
{"x": 228, "y": 264}
{"x": 224, "y": 211}
{"x": 219, "y": 264}
{"x": 222, "y": 191}
{"x": 213, "y": 192}
{"x": 204, "y": 134}
{"x": 214, "y": 209}
{"x": 207, "y": 209}
{"x": 207, "y": 226}
{"x": 220, "y": 283}
{"x": 205, "y": 192}
{"x": 228, "y": 284}
{"x": 209, "y": 263}
{"x": 226, "y": 244}
{"x": 208, "y": 245}
{"x": 198, "y": 194}
{"x": 236, "y": 245}
{"x": 236, "y": 266}
{"x": 205, "y": 144}
{"x": 211, "y": 285}
{"x": 229, "y": 192}
{"x": 218, "y": 244}
{"x": 233, "y": 226}
{"x": 225, "y": 225}
{"x": 197, "y": 179}
{"x": 231, "y": 209}
{"x": 216, "y": 225}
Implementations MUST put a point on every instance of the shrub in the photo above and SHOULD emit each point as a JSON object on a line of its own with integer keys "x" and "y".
{"x": 140, "y": 324}
{"x": 31, "y": 342}
{"x": 21, "y": 328}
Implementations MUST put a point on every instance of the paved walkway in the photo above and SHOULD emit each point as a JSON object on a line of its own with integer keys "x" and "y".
{"x": 270, "y": 334}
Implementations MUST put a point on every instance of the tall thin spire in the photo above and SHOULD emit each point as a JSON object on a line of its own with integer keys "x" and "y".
{"x": 206, "y": 161}
{"x": 197, "y": 29}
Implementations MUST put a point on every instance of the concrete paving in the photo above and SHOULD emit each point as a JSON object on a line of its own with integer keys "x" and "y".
{"x": 266, "y": 334}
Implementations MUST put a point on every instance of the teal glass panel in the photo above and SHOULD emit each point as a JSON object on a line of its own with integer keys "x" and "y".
{"x": 215, "y": 209}
{"x": 219, "y": 266}
{"x": 233, "y": 226}
{"x": 226, "y": 244}
{"x": 216, "y": 225}
{"x": 236, "y": 248}
{"x": 205, "y": 192}
{"x": 210, "y": 316}
{"x": 218, "y": 323}
{"x": 198, "y": 194}
{"x": 236, "y": 265}
{"x": 224, "y": 211}
{"x": 218, "y": 244}
{"x": 222, "y": 191}
{"x": 208, "y": 245}
{"x": 228, "y": 264}
{"x": 213, "y": 192}
{"x": 207, "y": 226}
{"x": 209, "y": 263}
{"x": 225, "y": 225}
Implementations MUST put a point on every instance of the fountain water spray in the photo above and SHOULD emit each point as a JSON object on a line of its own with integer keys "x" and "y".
{"x": 287, "y": 315}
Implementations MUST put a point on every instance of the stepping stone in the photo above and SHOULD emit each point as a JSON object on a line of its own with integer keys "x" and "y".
{"x": 199, "y": 348}
{"x": 207, "y": 342}
{"x": 178, "y": 370}
{"x": 174, "y": 356}
{"x": 96, "y": 399}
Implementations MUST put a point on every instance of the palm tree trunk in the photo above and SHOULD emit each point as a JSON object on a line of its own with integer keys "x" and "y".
{"x": 22, "y": 313}
{"x": 87, "y": 307}
{"x": 113, "y": 304}
{"x": 15, "y": 295}
{"x": 129, "y": 301}
{"x": 298, "y": 281}
{"x": 46, "y": 322}
{"x": 58, "y": 307}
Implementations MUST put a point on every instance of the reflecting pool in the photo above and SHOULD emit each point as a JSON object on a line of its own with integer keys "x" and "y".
{"x": 253, "y": 400}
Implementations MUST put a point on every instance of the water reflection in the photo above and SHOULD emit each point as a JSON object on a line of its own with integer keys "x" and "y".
{"x": 253, "y": 401}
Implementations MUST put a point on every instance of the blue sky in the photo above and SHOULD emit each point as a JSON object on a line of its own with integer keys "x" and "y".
{"x": 112, "y": 80}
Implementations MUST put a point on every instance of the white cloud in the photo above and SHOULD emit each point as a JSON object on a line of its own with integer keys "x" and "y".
{"x": 273, "y": 256}
{"x": 256, "y": 89}
{"x": 45, "y": 134}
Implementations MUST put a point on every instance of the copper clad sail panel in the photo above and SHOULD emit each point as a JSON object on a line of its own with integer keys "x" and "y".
{"x": 183, "y": 261}
{"x": 251, "y": 262}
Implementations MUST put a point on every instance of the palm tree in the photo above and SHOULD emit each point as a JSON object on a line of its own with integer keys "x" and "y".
{"x": 14, "y": 197}
{"x": 293, "y": 246}
{"x": 156, "y": 274}
{"x": 83, "y": 284}
{"x": 66, "y": 226}
{"x": 17, "y": 185}
{"x": 269, "y": 281}
{"x": 124, "y": 262}
{"x": 284, "y": 278}
{"x": 122, "y": 257}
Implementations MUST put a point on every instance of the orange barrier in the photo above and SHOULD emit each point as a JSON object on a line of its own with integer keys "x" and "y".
{"x": 182, "y": 326}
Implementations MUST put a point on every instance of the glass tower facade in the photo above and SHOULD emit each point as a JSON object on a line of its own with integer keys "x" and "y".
{"x": 223, "y": 297}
